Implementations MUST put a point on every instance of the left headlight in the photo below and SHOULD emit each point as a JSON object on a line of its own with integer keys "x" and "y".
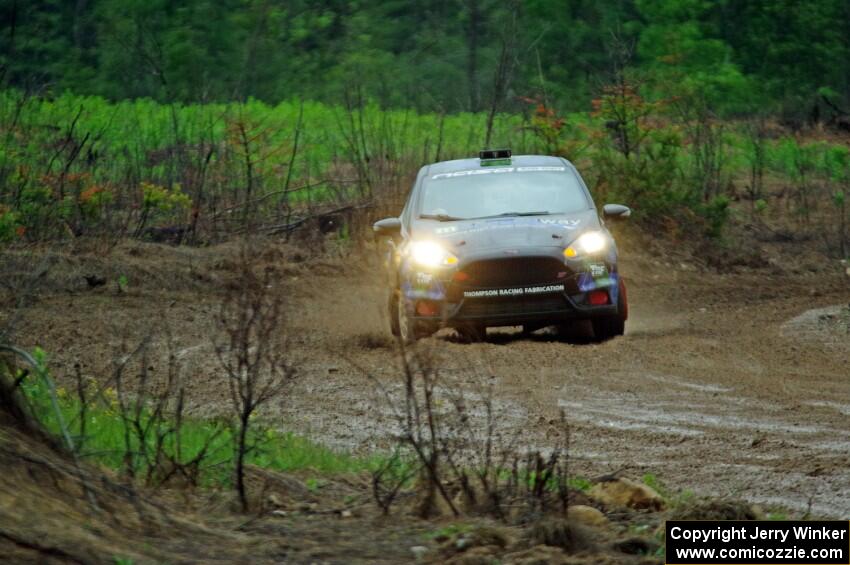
{"x": 587, "y": 243}
{"x": 431, "y": 254}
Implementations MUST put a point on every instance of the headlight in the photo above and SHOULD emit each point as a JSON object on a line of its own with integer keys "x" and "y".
{"x": 430, "y": 254}
{"x": 587, "y": 243}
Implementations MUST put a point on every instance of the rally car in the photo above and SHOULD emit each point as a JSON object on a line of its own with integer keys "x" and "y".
{"x": 502, "y": 240}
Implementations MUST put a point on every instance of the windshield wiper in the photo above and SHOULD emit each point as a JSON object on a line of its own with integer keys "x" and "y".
{"x": 440, "y": 217}
{"x": 540, "y": 213}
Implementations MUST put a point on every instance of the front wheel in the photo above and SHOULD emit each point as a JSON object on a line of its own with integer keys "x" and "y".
{"x": 472, "y": 333}
{"x": 392, "y": 302}
{"x": 403, "y": 327}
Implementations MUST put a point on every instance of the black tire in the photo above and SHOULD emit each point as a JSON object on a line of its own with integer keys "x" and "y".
{"x": 575, "y": 331}
{"x": 528, "y": 329}
{"x": 607, "y": 327}
{"x": 472, "y": 333}
{"x": 392, "y": 303}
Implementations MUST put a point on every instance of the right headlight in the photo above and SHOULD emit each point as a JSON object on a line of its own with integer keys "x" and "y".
{"x": 588, "y": 243}
{"x": 431, "y": 254}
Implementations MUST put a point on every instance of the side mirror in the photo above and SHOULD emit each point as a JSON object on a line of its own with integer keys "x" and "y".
{"x": 616, "y": 212}
{"x": 387, "y": 227}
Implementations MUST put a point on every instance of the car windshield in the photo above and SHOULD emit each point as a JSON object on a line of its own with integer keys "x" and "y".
{"x": 486, "y": 192}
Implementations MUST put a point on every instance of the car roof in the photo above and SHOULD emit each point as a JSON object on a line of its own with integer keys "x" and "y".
{"x": 516, "y": 161}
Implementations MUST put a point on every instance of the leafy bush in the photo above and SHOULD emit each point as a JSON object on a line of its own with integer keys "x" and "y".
{"x": 10, "y": 229}
{"x": 716, "y": 214}
{"x": 159, "y": 203}
{"x": 636, "y": 158}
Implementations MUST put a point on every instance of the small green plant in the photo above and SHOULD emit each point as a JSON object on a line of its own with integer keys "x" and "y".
{"x": 653, "y": 482}
{"x": 447, "y": 532}
{"x": 683, "y": 498}
{"x": 580, "y": 483}
{"x": 314, "y": 485}
{"x": 123, "y": 283}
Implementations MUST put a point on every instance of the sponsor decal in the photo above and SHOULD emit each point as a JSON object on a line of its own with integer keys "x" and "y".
{"x": 586, "y": 282}
{"x": 495, "y": 171}
{"x": 568, "y": 224}
{"x": 598, "y": 270}
{"x": 490, "y": 224}
{"x": 520, "y": 291}
{"x": 536, "y": 169}
{"x": 424, "y": 279}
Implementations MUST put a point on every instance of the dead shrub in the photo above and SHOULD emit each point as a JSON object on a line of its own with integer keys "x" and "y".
{"x": 469, "y": 463}
{"x": 251, "y": 348}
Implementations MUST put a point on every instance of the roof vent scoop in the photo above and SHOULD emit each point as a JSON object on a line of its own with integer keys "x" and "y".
{"x": 494, "y": 154}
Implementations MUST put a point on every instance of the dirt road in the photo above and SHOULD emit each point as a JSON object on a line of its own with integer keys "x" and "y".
{"x": 724, "y": 384}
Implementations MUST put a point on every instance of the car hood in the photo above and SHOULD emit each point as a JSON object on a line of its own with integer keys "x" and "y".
{"x": 509, "y": 231}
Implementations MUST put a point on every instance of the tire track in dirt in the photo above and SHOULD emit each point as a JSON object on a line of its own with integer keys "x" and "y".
{"x": 720, "y": 385}
{"x": 707, "y": 390}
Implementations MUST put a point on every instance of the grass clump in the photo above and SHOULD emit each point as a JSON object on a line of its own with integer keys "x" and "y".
{"x": 150, "y": 443}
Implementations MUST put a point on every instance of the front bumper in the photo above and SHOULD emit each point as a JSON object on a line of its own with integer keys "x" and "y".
{"x": 533, "y": 285}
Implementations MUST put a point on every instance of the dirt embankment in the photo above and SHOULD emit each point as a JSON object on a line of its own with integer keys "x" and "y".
{"x": 735, "y": 382}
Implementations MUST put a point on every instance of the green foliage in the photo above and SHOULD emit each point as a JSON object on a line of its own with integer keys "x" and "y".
{"x": 580, "y": 483}
{"x": 106, "y": 431}
{"x": 143, "y": 171}
{"x": 429, "y": 55}
{"x": 716, "y": 213}
{"x": 636, "y": 160}
{"x": 37, "y": 210}
{"x": 159, "y": 199}
{"x": 448, "y": 531}
{"x": 160, "y": 203}
{"x": 652, "y": 482}
{"x": 836, "y": 162}
{"x": 10, "y": 229}
{"x": 678, "y": 45}
{"x": 313, "y": 484}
